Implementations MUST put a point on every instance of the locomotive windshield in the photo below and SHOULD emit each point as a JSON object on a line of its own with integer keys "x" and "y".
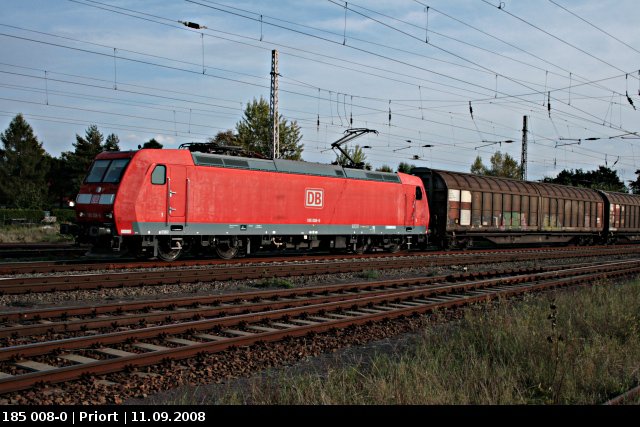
{"x": 107, "y": 171}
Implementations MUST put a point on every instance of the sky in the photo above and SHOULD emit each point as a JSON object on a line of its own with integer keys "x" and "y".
{"x": 440, "y": 81}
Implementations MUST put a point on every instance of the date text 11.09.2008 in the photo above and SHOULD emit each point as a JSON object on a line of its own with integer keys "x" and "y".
{"x": 102, "y": 415}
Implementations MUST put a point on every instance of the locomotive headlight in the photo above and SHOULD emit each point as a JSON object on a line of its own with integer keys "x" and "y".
{"x": 109, "y": 215}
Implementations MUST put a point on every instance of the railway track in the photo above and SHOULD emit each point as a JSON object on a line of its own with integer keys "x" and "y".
{"x": 242, "y": 319}
{"x": 50, "y": 267}
{"x": 40, "y": 250}
{"x": 35, "y": 284}
{"x": 78, "y": 319}
{"x": 628, "y": 397}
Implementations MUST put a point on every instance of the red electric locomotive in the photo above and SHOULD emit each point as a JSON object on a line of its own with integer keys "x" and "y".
{"x": 159, "y": 203}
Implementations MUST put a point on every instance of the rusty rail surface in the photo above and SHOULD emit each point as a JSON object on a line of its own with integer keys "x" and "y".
{"x": 24, "y": 366}
{"x": 30, "y": 322}
{"x": 22, "y": 285}
{"x": 628, "y": 396}
{"x": 40, "y": 250}
{"x": 115, "y": 264}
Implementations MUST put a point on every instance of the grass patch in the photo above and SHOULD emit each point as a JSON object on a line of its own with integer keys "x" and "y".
{"x": 22, "y": 304}
{"x": 36, "y": 234}
{"x": 370, "y": 274}
{"x": 274, "y": 282}
{"x": 575, "y": 346}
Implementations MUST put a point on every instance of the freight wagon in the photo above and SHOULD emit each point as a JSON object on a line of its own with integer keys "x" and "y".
{"x": 467, "y": 209}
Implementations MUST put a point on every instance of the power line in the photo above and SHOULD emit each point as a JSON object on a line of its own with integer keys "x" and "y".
{"x": 510, "y": 45}
{"x": 351, "y": 37}
{"x": 458, "y": 56}
{"x": 363, "y": 50}
{"x": 256, "y": 47}
{"x": 364, "y": 65}
{"x": 379, "y": 111}
{"x": 594, "y": 26}
{"x": 349, "y": 46}
{"x": 555, "y": 37}
{"x": 121, "y": 89}
{"x": 351, "y": 4}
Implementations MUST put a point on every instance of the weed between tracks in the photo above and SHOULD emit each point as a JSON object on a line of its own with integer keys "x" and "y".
{"x": 274, "y": 282}
{"x": 370, "y": 274}
{"x": 575, "y": 346}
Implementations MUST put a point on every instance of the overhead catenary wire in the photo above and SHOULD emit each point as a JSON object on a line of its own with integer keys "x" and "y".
{"x": 427, "y": 105}
{"x": 595, "y": 26}
{"x": 555, "y": 37}
{"x": 380, "y": 110}
{"x": 93, "y": 1}
{"x": 248, "y": 17}
{"x": 512, "y": 45}
{"x": 458, "y": 56}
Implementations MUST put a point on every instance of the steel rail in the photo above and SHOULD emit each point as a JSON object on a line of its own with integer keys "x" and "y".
{"x": 128, "y": 279}
{"x": 20, "y": 323}
{"x": 90, "y": 265}
{"x": 322, "y": 318}
{"x": 628, "y": 396}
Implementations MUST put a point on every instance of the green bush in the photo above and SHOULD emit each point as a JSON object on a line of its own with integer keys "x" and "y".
{"x": 28, "y": 215}
{"x": 64, "y": 215}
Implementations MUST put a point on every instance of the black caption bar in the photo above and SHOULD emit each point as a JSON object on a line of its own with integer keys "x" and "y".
{"x": 104, "y": 415}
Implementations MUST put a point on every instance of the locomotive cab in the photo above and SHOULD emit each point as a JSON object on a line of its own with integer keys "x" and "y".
{"x": 95, "y": 201}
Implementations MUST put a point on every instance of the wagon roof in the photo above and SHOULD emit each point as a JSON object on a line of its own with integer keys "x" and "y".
{"x": 622, "y": 198}
{"x": 472, "y": 182}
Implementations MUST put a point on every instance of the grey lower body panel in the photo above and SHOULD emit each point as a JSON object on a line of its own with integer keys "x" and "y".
{"x": 197, "y": 229}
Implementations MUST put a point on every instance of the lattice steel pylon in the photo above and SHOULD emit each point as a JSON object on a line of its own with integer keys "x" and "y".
{"x": 273, "y": 104}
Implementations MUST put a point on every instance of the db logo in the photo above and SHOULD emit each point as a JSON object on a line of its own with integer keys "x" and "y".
{"x": 314, "y": 198}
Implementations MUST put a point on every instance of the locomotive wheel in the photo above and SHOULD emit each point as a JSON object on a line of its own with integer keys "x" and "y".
{"x": 395, "y": 246}
{"x": 165, "y": 253}
{"x": 363, "y": 245}
{"x": 226, "y": 250}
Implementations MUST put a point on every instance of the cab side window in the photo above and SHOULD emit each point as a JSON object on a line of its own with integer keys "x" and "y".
{"x": 159, "y": 175}
{"x": 418, "y": 193}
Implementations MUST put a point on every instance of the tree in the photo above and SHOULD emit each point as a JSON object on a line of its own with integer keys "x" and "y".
{"x": 77, "y": 162}
{"x": 254, "y": 132}
{"x": 504, "y": 166}
{"x": 602, "y": 178}
{"x": 152, "y": 143}
{"x": 23, "y": 167}
{"x": 60, "y": 181}
{"x": 357, "y": 155}
{"x": 226, "y": 138}
{"x": 405, "y": 167}
{"x": 384, "y": 168}
{"x": 478, "y": 168}
{"x": 635, "y": 185}
{"x": 111, "y": 143}
{"x": 501, "y": 165}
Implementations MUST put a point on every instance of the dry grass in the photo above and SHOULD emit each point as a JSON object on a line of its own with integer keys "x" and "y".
{"x": 569, "y": 347}
{"x": 35, "y": 234}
